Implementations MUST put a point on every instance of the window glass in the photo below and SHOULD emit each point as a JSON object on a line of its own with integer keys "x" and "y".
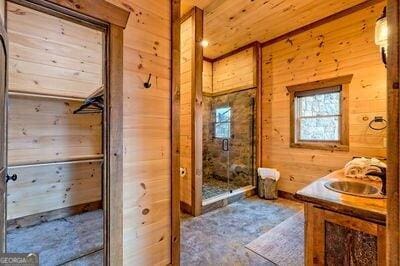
{"x": 318, "y": 117}
{"x": 223, "y": 122}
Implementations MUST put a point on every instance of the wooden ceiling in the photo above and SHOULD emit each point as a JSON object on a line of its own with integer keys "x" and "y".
{"x": 186, "y": 5}
{"x": 230, "y": 24}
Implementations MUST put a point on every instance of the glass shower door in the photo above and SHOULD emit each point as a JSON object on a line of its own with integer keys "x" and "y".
{"x": 228, "y": 143}
{"x": 241, "y": 152}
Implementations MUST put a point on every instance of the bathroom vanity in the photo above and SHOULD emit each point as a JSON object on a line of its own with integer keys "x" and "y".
{"x": 343, "y": 229}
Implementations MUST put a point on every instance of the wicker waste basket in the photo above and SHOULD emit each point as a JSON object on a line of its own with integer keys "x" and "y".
{"x": 268, "y": 183}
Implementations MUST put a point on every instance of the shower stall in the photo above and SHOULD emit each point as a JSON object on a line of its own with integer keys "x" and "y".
{"x": 228, "y": 143}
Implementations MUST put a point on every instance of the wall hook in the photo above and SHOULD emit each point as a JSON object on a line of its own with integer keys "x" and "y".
{"x": 147, "y": 84}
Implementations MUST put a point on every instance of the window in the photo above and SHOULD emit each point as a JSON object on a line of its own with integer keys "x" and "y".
{"x": 319, "y": 118}
{"x": 223, "y": 122}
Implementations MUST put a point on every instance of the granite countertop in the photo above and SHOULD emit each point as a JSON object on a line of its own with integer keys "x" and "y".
{"x": 370, "y": 209}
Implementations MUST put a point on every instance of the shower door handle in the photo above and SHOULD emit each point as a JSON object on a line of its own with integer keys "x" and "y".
{"x": 225, "y": 145}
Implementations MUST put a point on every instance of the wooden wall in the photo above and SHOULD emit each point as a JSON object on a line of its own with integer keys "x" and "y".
{"x": 52, "y": 56}
{"x": 46, "y": 130}
{"x": 207, "y": 77}
{"x": 344, "y": 46}
{"x": 49, "y": 55}
{"x": 235, "y": 71}
{"x": 186, "y": 110}
{"x": 41, "y": 189}
{"x": 147, "y": 133}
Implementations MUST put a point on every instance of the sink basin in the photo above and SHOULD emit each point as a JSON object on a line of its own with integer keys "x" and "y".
{"x": 355, "y": 189}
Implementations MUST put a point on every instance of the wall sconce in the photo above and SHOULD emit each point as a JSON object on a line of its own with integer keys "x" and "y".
{"x": 381, "y": 34}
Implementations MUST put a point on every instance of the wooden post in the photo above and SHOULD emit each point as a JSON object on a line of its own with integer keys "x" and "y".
{"x": 175, "y": 134}
{"x": 392, "y": 253}
{"x": 197, "y": 111}
{"x": 114, "y": 182}
{"x": 258, "y": 80}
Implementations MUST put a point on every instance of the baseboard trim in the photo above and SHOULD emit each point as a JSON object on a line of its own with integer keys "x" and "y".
{"x": 39, "y": 218}
{"x": 287, "y": 195}
{"x": 186, "y": 208}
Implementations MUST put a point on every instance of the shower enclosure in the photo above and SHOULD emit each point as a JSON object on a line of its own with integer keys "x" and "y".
{"x": 228, "y": 143}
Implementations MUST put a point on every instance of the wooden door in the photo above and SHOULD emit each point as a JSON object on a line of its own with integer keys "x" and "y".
{"x": 3, "y": 135}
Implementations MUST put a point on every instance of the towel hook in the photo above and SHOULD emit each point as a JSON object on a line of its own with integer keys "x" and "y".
{"x": 147, "y": 84}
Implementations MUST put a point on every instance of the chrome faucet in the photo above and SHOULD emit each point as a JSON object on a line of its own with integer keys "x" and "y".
{"x": 382, "y": 175}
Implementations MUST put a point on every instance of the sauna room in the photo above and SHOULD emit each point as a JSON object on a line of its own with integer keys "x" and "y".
{"x": 283, "y": 132}
{"x": 55, "y": 136}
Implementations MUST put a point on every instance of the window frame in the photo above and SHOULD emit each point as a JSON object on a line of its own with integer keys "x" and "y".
{"x": 314, "y": 88}
{"x": 229, "y": 122}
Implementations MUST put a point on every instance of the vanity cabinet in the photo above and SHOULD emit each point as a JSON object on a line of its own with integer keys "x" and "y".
{"x": 332, "y": 238}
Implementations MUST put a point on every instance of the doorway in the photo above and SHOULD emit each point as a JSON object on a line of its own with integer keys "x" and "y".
{"x": 228, "y": 143}
{"x": 101, "y": 190}
{"x": 55, "y": 137}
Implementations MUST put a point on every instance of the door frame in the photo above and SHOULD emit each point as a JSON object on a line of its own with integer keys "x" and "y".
{"x": 112, "y": 20}
{"x": 195, "y": 14}
{"x": 3, "y": 223}
{"x": 175, "y": 131}
{"x": 393, "y": 151}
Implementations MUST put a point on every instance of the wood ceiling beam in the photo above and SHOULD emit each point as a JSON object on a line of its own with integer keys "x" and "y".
{"x": 96, "y": 9}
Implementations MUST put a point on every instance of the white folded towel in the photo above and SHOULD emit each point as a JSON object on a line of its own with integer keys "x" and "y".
{"x": 361, "y": 167}
{"x": 354, "y": 171}
{"x": 271, "y": 173}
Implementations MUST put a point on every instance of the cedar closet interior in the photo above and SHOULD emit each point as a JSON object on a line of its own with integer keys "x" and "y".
{"x": 55, "y": 136}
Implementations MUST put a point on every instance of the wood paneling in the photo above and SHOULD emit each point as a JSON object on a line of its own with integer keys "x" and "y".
{"x": 393, "y": 182}
{"x": 197, "y": 112}
{"x": 175, "y": 128}
{"x": 342, "y": 47}
{"x": 52, "y": 56}
{"x": 147, "y": 133}
{"x": 45, "y": 130}
{"x": 230, "y": 24}
{"x": 111, "y": 19}
{"x": 207, "y": 77}
{"x": 235, "y": 71}
{"x": 187, "y": 5}
{"x": 186, "y": 110}
{"x": 113, "y": 181}
{"x": 191, "y": 110}
{"x": 336, "y": 239}
{"x": 45, "y": 188}
{"x": 46, "y": 141}
{"x": 102, "y": 10}
{"x": 43, "y": 217}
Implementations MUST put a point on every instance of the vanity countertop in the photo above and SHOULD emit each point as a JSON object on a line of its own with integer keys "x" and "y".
{"x": 370, "y": 209}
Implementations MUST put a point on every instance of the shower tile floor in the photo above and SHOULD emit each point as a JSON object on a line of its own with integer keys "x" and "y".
{"x": 213, "y": 187}
{"x": 219, "y": 237}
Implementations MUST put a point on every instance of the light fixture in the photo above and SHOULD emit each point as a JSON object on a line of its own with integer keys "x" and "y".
{"x": 381, "y": 35}
{"x": 204, "y": 43}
